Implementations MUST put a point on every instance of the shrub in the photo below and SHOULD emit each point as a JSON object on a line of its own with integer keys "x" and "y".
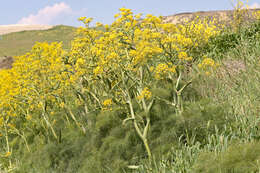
{"x": 238, "y": 158}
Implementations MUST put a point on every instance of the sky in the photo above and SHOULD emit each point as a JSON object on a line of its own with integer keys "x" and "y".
{"x": 66, "y": 12}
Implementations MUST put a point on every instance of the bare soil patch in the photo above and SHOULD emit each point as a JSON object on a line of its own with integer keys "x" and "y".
{"x": 6, "y": 62}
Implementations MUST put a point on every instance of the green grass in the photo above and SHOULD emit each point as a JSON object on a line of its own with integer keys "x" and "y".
{"x": 18, "y": 43}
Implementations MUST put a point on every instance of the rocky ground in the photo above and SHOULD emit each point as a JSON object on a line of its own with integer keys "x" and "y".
{"x": 6, "y": 62}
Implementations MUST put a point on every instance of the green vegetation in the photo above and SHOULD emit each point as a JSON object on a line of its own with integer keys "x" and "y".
{"x": 238, "y": 158}
{"x": 19, "y": 43}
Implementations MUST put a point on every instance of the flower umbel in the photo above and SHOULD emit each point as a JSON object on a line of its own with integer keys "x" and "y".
{"x": 145, "y": 93}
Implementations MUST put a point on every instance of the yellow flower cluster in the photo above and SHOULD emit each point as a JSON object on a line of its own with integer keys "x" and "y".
{"x": 145, "y": 93}
{"x": 36, "y": 78}
{"x": 7, "y": 154}
{"x": 85, "y": 20}
{"x": 130, "y": 43}
{"x": 107, "y": 102}
{"x": 184, "y": 56}
{"x": 256, "y": 15}
{"x": 164, "y": 69}
{"x": 207, "y": 64}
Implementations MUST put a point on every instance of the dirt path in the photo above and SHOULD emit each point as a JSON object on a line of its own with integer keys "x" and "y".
{"x": 5, "y": 29}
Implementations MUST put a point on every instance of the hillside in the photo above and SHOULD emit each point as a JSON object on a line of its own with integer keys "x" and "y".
{"x": 18, "y": 43}
{"x": 223, "y": 16}
{"x": 6, "y": 29}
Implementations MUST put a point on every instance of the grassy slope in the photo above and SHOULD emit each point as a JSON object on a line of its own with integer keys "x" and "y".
{"x": 18, "y": 43}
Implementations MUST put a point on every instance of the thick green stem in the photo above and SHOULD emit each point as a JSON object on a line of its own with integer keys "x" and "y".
{"x": 23, "y": 137}
{"x": 52, "y": 129}
{"x": 7, "y": 145}
{"x": 178, "y": 92}
{"x": 143, "y": 135}
{"x": 146, "y": 145}
{"x": 47, "y": 121}
{"x": 26, "y": 143}
{"x": 74, "y": 118}
{"x": 179, "y": 103}
{"x": 6, "y": 138}
{"x": 134, "y": 120}
{"x": 145, "y": 140}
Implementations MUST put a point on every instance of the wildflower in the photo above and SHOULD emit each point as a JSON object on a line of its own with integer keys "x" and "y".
{"x": 107, "y": 102}
{"x": 98, "y": 24}
{"x": 207, "y": 73}
{"x": 62, "y": 104}
{"x": 184, "y": 56}
{"x": 163, "y": 69}
{"x": 1, "y": 121}
{"x": 7, "y": 154}
{"x": 145, "y": 93}
{"x": 78, "y": 102}
{"x": 28, "y": 117}
{"x": 11, "y": 125}
{"x": 207, "y": 62}
{"x": 82, "y": 18}
{"x": 138, "y": 16}
{"x": 116, "y": 15}
{"x": 80, "y": 61}
{"x": 98, "y": 70}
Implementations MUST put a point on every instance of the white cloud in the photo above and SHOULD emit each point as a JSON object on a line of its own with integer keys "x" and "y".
{"x": 47, "y": 14}
{"x": 255, "y": 5}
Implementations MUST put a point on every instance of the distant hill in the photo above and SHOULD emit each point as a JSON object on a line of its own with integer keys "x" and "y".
{"x": 6, "y": 29}
{"x": 18, "y": 43}
{"x": 222, "y": 16}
